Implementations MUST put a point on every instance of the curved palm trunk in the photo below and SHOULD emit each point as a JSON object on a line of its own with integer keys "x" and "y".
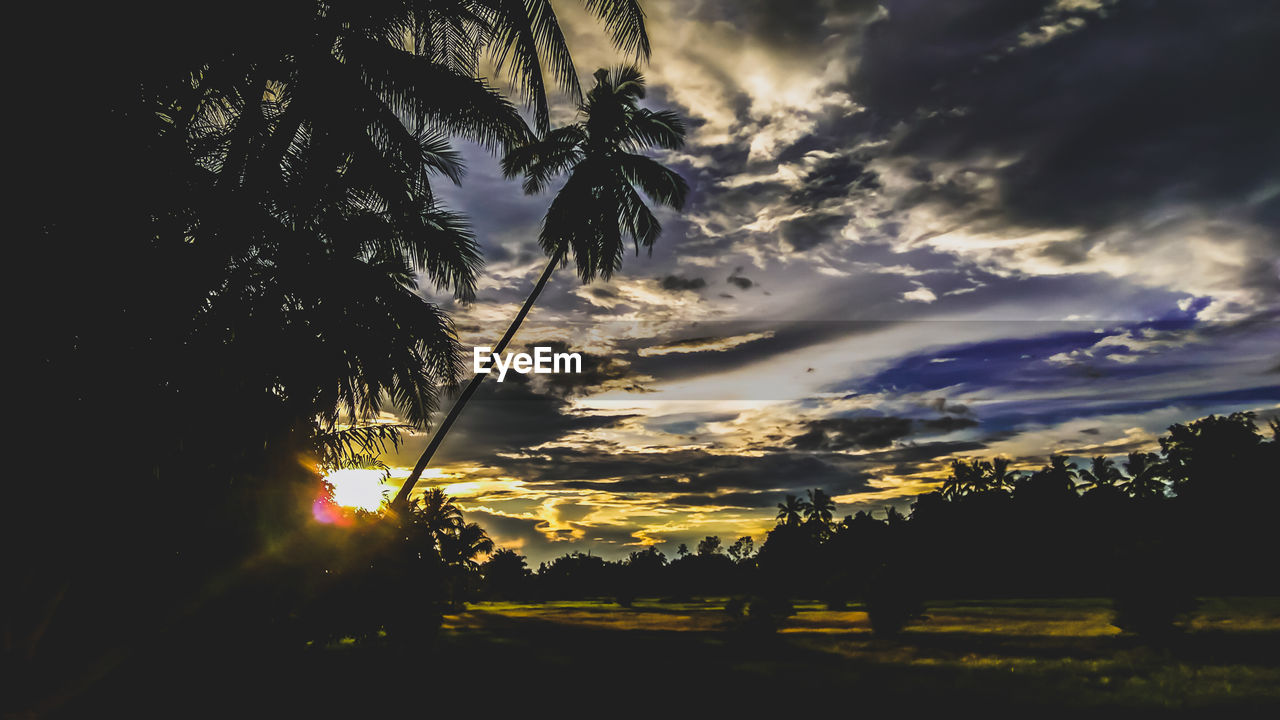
{"x": 443, "y": 428}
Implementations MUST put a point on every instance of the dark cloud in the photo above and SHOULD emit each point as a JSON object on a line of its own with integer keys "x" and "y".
{"x": 676, "y": 283}
{"x": 832, "y": 177}
{"x": 1149, "y": 104}
{"x": 865, "y": 433}
{"x": 684, "y": 471}
{"x": 870, "y": 433}
{"x": 947, "y": 424}
{"x": 741, "y": 282}
{"x": 808, "y": 231}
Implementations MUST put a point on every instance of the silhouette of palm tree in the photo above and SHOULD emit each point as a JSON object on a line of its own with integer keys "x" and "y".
{"x": 311, "y": 158}
{"x": 967, "y": 478}
{"x": 1060, "y": 472}
{"x": 437, "y": 512}
{"x": 599, "y": 204}
{"x": 1102, "y": 473}
{"x": 819, "y": 509}
{"x": 1001, "y": 478}
{"x": 463, "y": 544}
{"x": 789, "y": 512}
{"x": 1145, "y": 476}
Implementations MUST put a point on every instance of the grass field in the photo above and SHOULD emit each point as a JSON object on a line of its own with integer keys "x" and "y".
{"x": 1014, "y": 653}
{"x": 578, "y": 659}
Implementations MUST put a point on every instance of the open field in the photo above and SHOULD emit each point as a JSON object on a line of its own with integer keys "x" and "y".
{"x": 677, "y": 658}
{"x": 1014, "y": 652}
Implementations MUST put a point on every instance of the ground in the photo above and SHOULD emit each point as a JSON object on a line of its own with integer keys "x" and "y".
{"x": 1032, "y": 653}
{"x": 677, "y": 659}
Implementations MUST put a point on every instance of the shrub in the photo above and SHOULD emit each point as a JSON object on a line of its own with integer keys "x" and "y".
{"x": 892, "y": 602}
{"x": 759, "y": 614}
{"x": 1152, "y": 599}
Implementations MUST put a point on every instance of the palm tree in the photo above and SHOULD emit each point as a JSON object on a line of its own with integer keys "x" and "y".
{"x": 302, "y": 163}
{"x": 789, "y": 512}
{"x": 1145, "y": 476}
{"x": 1102, "y": 473}
{"x": 1001, "y": 478}
{"x": 437, "y": 512}
{"x": 966, "y": 478}
{"x": 466, "y": 542}
{"x": 600, "y": 203}
{"x": 820, "y": 508}
{"x": 1061, "y": 473}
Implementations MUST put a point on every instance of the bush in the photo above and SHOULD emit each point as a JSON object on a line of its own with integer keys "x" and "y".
{"x": 1153, "y": 609}
{"x": 892, "y": 602}
{"x": 1153, "y": 599}
{"x": 760, "y": 614}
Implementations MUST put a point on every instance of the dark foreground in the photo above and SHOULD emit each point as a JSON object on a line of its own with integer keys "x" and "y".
{"x": 676, "y": 659}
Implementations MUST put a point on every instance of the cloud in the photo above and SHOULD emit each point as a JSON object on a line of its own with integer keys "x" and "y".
{"x": 704, "y": 344}
{"x": 676, "y": 283}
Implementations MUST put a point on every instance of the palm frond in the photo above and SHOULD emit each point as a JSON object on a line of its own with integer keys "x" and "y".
{"x": 624, "y": 20}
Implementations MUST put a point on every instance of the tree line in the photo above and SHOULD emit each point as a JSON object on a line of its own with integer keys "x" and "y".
{"x": 1195, "y": 518}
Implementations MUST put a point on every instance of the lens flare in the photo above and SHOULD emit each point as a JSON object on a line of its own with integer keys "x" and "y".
{"x": 358, "y": 489}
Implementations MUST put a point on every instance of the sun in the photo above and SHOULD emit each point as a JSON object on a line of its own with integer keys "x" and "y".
{"x": 358, "y": 489}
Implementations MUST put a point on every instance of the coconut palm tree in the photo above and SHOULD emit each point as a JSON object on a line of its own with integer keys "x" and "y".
{"x": 966, "y": 478}
{"x": 1145, "y": 476}
{"x": 1102, "y": 473}
{"x": 1061, "y": 473}
{"x": 437, "y": 512}
{"x": 820, "y": 508}
{"x": 790, "y": 511}
{"x": 1000, "y": 477}
{"x": 463, "y": 544}
{"x": 599, "y": 206}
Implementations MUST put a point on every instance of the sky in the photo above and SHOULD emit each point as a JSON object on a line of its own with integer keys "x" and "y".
{"x": 917, "y": 231}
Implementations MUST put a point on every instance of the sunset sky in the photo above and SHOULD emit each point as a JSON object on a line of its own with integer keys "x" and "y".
{"x": 917, "y": 230}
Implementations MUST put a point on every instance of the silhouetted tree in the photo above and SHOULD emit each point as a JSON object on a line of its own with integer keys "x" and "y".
{"x": 710, "y": 545}
{"x": 790, "y": 511}
{"x": 506, "y": 575}
{"x": 600, "y": 203}
{"x": 1145, "y": 476}
{"x": 818, "y": 511}
{"x": 741, "y": 548}
{"x": 1102, "y": 474}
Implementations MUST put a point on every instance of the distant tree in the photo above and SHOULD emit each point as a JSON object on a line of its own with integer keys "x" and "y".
{"x": 790, "y": 511}
{"x": 1102, "y": 474}
{"x": 710, "y": 545}
{"x": 819, "y": 509}
{"x": 1145, "y": 476}
{"x": 893, "y": 518}
{"x": 682, "y": 550}
{"x": 1208, "y": 456}
{"x": 1002, "y": 478}
{"x": 506, "y": 574}
{"x": 464, "y": 544}
{"x": 967, "y": 478}
{"x": 741, "y": 548}
{"x": 437, "y": 512}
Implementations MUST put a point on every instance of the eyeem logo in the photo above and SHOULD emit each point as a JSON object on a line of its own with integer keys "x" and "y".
{"x": 542, "y": 362}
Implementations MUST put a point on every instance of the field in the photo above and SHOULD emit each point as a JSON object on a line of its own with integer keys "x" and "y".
{"x": 580, "y": 658}
{"x": 1015, "y": 653}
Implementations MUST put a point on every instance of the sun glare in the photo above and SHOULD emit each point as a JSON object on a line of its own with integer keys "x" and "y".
{"x": 359, "y": 489}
